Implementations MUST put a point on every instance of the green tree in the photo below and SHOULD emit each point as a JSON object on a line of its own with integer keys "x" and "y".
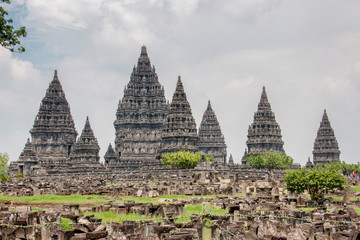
{"x": 9, "y": 37}
{"x": 184, "y": 159}
{"x": 270, "y": 161}
{"x": 4, "y": 167}
{"x": 344, "y": 167}
{"x": 317, "y": 182}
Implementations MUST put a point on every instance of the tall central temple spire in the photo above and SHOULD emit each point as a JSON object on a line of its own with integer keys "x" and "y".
{"x": 140, "y": 117}
{"x": 264, "y": 134}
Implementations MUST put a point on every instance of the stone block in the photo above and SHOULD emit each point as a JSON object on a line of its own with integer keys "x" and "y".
{"x": 96, "y": 235}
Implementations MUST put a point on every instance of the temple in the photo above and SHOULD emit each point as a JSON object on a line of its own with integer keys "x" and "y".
{"x": 84, "y": 158}
{"x": 53, "y": 134}
{"x": 264, "y": 134}
{"x": 212, "y": 141}
{"x": 326, "y": 147}
{"x": 140, "y": 117}
{"x": 180, "y": 132}
{"x": 147, "y": 127}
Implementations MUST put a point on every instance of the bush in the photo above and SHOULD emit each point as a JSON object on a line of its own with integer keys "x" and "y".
{"x": 270, "y": 161}
{"x": 184, "y": 159}
{"x": 4, "y": 167}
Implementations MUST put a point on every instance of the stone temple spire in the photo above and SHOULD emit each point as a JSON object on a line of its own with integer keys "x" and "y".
{"x": 143, "y": 64}
{"x": 264, "y": 104}
{"x": 87, "y": 143}
{"x": 231, "y": 160}
{"x": 180, "y": 131}
{"x": 28, "y": 153}
{"x": 140, "y": 117}
{"x": 53, "y": 133}
{"x": 85, "y": 156}
{"x": 264, "y": 134}
{"x": 326, "y": 147}
{"x": 212, "y": 142}
{"x": 110, "y": 156}
{"x": 26, "y": 161}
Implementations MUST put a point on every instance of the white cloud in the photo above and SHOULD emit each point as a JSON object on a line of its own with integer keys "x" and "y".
{"x": 224, "y": 50}
{"x": 20, "y": 90}
{"x": 245, "y": 9}
{"x": 183, "y": 7}
{"x": 240, "y": 83}
{"x": 63, "y": 13}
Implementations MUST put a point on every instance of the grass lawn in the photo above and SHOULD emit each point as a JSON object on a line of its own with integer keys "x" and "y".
{"x": 66, "y": 224}
{"x": 58, "y": 199}
{"x": 197, "y": 209}
{"x": 357, "y": 210}
{"x": 355, "y": 188}
{"x": 92, "y": 198}
{"x": 108, "y": 217}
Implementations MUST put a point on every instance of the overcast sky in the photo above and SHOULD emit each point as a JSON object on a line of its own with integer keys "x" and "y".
{"x": 306, "y": 53}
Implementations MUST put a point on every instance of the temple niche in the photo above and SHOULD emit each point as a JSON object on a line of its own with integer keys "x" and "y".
{"x": 264, "y": 134}
{"x": 212, "y": 141}
{"x": 180, "y": 131}
{"x": 140, "y": 117}
{"x": 326, "y": 147}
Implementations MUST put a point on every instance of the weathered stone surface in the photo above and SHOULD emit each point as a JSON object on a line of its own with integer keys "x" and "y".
{"x": 326, "y": 147}
{"x": 211, "y": 139}
{"x": 179, "y": 132}
{"x": 264, "y": 133}
{"x": 140, "y": 118}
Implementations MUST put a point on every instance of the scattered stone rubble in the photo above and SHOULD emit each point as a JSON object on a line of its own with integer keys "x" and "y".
{"x": 174, "y": 182}
{"x": 248, "y": 217}
{"x": 265, "y": 210}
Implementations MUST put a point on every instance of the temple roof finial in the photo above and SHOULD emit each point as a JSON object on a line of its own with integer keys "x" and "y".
{"x": 264, "y": 103}
{"x": 325, "y": 116}
{"x": 209, "y": 106}
{"x": 143, "y": 50}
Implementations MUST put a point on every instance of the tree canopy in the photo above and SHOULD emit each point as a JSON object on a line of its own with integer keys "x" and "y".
{"x": 184, "y": 159}
{"x": 9, "y": 37}
{"x": 343, "y": 167}
{"x": 270, "y": 161}
{"x": 4, "y": 158}
{"x": 317, "y": 182}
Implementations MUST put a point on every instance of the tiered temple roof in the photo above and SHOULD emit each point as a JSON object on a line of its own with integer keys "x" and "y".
{"x": 326, "y": 147}
{"x": 110, "y": 156}
{"x": 53, "y": 133}
{"x": 180, "y": 131}
{"x": 84, "y": 158}
{"x": 264, "y": 134}
{"x": 231, "y": 160}
{"x": 212, "y": 142}
{"x": 140, "y": 116}
{"x": 26, "y": 161}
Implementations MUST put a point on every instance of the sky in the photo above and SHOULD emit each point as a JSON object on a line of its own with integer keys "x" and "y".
{"x": 306, "y": 53}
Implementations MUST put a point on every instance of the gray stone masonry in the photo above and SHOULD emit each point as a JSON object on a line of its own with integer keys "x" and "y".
{"x": 326, "y": 147}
